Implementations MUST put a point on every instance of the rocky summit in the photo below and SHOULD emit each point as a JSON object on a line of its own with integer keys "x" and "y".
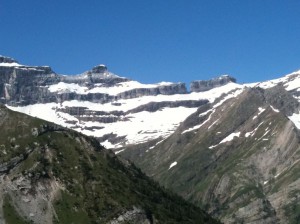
{"x": 232, "y": 149}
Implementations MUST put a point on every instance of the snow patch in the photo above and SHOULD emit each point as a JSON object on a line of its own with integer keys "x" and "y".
{"x": 117, "y": 152}
{"x": 248, "y": 134}
{"x": 227, "y": 139}
{"x": 63, "y": 87}
{"x": 192, "y": 129}
{"x": 275, "y": 110}
{"x": 213, "y": 146}
{"x": 173, "y": 164}
{"x": 109, "y": 145}
{"x": 204, "y": 113}
{"x": 229, "y": 96}
{"x": 199, "y": 125}
{"x": 267, "y": 131}
{"x": 294, "y": 84}
{"x": 214, "y": 123}
{"x": 230, "y": 137}
{"x": 13, "y": 64}
{"x": 251, "y": 133}
{"x": 152, "y": 147}
{"x": 295, "y": 118}
{"x": 260, "y": 111}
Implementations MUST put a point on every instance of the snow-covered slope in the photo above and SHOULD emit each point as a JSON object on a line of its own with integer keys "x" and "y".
{"x": 289, "y": 81}
{"x": 133, "y": 127}
{"x": 63, "y": 87}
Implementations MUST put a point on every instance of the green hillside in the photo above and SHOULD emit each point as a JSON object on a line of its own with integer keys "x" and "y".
{"x": 53, "y": 175}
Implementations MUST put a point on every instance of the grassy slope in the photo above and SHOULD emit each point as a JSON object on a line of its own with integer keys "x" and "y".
{"x": 98, "y": 186}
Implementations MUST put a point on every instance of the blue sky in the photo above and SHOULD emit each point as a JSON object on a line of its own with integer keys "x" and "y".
{"x": 152, "y": 41}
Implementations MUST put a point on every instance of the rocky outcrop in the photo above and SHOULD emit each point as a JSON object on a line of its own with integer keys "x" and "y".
{"x": 98, "y": 75}
{"x": 4, "y": 59}
{"x": 176, "y": 88}
{"x": 279, "y": 98}
{"x": 201, "y": 85}
{"x": 135, "y": 215}
{"x": 99, "y": 69}
{"x": 155, "y": 106}
{"x": 25, "y": 84}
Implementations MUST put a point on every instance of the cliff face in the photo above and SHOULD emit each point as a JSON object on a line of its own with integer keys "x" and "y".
{"x": 203, "y": 85}
{"x": 22, "y": 85}
{"x": 178, "y": 88}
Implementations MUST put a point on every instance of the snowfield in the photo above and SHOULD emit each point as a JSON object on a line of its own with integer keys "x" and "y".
{"x": 135, "y": 127}
{"x": 143, "y": 126}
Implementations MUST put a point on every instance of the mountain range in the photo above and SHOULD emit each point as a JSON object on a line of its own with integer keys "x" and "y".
{"x": 51, "y": 174}
{"x": 232, "y": 149}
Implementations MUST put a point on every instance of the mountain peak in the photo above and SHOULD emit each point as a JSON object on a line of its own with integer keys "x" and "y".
{"x": 99, "y": 69}
{"x": 8, "y": 61}
{"x": 5, "y": 59}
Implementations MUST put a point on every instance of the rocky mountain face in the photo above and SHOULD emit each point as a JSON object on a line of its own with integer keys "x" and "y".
{"x": 25, "y": 85}
{"x": 232, "y": 149}
{"x": 238, "y": 158}
{"x": 101, "y": 104}
{"x": 50, "y": 174}
{"x": 203, "y": 85}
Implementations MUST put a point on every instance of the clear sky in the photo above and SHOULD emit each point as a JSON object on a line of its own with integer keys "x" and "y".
{"x": 157, "y": 40}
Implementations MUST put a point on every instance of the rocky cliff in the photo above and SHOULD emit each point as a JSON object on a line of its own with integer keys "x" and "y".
{"x": 21, "y": 85}
{"x": 24, "y": 85}
{"x": 204, "y": 85}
